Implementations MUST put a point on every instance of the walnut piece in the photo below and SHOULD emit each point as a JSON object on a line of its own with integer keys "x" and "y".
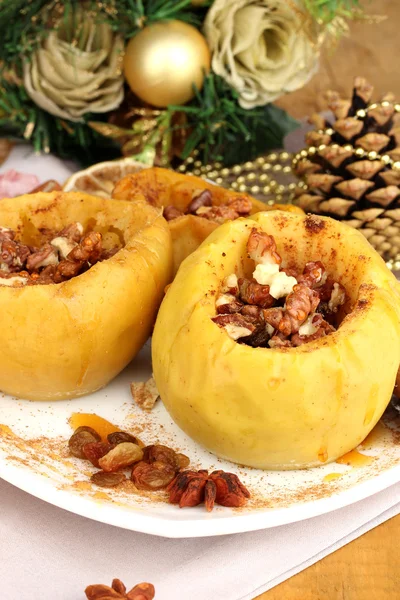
{"x": 63, "y": 255}
{"x": 252, "y": 310}
{"x": 145, "y": 393}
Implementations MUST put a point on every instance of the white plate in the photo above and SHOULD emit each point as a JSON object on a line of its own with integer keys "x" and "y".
{"x": 34, "y": 457}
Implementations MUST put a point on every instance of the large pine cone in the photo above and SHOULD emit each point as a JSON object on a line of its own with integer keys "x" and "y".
{"x": 351, "y": 168}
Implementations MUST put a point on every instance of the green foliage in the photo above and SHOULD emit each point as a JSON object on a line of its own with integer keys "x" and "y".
{"x": 215, "y": 121}
{"x": 23, "y": 23}
{"x": 128, "y": 17}
{"x": 327, "y": 10}
{"x": 227, "y": 132}
{"x": 21, "y": 118}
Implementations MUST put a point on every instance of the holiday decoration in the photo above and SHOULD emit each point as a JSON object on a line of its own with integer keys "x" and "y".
{"x": 165, "y": 61}
{"x": 77, "y": 69}
{"x": 262, "y": 48}
{"x": 351, "y": 168}
{"x": 156, "y": 80}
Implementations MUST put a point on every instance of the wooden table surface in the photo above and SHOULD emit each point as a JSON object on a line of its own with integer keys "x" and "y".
{"x": 366, "y": 569}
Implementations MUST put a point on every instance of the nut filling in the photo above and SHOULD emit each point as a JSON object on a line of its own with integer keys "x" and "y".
{"x": 202, "y": 206}
{"x": 278, "y": 307}
{"x": 62, "y": 256}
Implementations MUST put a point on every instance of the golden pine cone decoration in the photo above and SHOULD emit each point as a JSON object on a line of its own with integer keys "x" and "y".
{"x": 351, "y": 168}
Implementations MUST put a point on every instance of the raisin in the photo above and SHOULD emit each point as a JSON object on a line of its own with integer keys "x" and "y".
{"x": 107, "y": 479}
{"x": 159, "y": 453}
{"x": 153, "y": 476}
{"x": 117, "y": 437}
{"x": 95, "y": 451}
{"x": 202, "y": 199}
{"x": 78, "y": 440}
{"x": 120, "y": 456}
{"x": 182, "y": 460}
{"x": 90, "y": 430}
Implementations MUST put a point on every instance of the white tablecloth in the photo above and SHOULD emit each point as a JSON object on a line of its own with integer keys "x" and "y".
{"x": 50, "y": 554}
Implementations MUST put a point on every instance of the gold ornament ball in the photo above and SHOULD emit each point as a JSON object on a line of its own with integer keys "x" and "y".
{"x": 164, "y": 60}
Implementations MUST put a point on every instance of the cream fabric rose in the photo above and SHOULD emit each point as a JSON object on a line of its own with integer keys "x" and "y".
{"x": 77, "y": 69}
{"x": 262, "y": 48}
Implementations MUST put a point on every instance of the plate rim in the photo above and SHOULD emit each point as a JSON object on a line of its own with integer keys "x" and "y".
{"x": 142, "y": 522}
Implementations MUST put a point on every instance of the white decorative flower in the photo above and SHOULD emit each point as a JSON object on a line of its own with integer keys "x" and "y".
{"x": 77, "y": 69}
{"x": 262, "y": 48}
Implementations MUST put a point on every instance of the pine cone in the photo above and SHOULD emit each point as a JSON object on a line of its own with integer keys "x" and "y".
{"x": 351, "y": 168}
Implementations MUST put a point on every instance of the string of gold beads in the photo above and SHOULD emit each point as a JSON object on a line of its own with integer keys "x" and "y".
{"x": 256, "y": 177}
{"x": 359, "y": 152}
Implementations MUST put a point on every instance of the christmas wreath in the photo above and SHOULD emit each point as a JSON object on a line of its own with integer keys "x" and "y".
{"x": 157, "y": 79}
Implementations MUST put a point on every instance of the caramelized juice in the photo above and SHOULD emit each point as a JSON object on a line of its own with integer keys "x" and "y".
{"x": 102, "y": 426}
{"x": 332, "y": 476}
{"x": 355, "y": 459}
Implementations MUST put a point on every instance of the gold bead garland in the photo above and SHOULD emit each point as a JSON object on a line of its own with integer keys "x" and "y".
{"x": 359, "y": 152}
{"x": 255, "y": 177}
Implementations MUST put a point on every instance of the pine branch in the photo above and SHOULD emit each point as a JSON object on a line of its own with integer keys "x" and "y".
{"x": 128, "y": 17}
{"x": 226, "y": 131}
{"x": 23, "y": 24}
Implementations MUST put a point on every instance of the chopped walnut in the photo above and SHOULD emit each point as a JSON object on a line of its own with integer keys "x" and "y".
{"x": 13, "y": 256}
{"x": 241, "y": 205}
{"x": 230, "y": 284}
{"x": 262, "y": 248}
{"x": 236, "y": 325}
{"x": 63, "y": 245}
{"x": 44, "y": 257}
{"x": 65, "y": 255}
{"x": 72, "y": 232}
{"x": 314, "y": 328}
{"x": 220, "y": 214}
{"x": 338, "y": 297}
{"x": 171, "y": 212}
{"x": 202, "y": 205}
{"x": 252, "y": 292}
{"x": 300, "y": 303}
{"x": 277, "y": 308}
{"x": 6, "y": 234}
{"x": 227, "y": 303}
{"x": 145, "y": 393}
{"x": 204, "y": 198}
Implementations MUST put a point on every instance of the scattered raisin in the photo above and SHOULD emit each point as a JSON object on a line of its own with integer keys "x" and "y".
{"x": 95, "y": 451}
{"x": 182, "y": 460}
{"x": 90, "y": 430}
{"x": 122, "y": 455}
{"x": 159, "y": 453}
{"x": 79, "y": 439}
{"x": 117, "y": 437}
{"x": 153, "y": 476}
{"x": 107, "y": 479}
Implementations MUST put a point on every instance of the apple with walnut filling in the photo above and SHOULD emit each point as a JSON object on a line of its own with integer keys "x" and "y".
{"x": 278, "y": 343}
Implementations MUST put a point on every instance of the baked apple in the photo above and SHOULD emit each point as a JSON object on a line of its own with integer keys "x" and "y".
{"x": 81, "y": 279}
{"x": 278, "y": 343}
{"x": 192, "y": 206}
